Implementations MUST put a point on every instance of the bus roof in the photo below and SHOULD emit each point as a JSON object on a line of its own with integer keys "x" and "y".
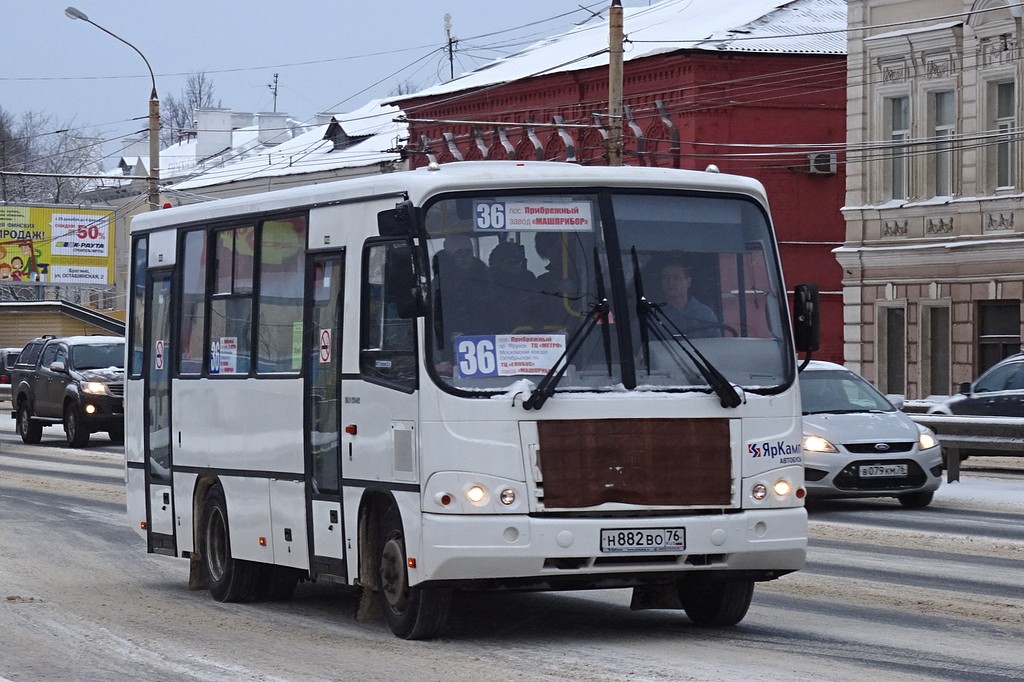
{"x": 427, "y": 181}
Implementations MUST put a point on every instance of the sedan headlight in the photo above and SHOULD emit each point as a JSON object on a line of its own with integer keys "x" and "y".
{"x": 94, "y": 387}
{"x": 818, "y": 444}
{"x": 927, "y": 438}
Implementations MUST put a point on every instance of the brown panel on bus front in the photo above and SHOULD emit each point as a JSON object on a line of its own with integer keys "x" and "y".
{"x": 678, "y": 462}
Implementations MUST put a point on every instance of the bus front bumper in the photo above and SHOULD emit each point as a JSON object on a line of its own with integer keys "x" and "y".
{"x": 567, "y": 551}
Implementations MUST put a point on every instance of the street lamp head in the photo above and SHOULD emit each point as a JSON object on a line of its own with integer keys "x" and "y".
{"x": 73, "y": 13}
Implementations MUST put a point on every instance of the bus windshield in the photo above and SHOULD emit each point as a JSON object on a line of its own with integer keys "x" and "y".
{"x": 642, "y": 288}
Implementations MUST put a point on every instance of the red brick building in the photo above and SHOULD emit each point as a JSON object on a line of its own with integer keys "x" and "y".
{"x": 762, "y": 94}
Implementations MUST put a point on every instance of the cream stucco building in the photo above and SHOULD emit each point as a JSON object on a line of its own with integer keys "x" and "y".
{"x": 933, "y": 263}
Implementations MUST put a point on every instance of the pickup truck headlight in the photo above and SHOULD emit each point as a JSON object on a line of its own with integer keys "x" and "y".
{"x": 94, "y": 387}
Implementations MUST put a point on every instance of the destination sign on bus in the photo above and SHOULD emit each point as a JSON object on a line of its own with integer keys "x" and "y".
{"x": 494, "y": 355}
{"x": 533, "y": 215}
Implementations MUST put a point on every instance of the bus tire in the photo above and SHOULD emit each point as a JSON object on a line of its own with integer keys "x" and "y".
{"x": 76, "y": 434}
{"x": 228, "y": 579}
{"x": 31, "y": 432}
{"x": 410, "y": 612}
{"x": 276, "y": 583}
{"x": 715, "y": 603}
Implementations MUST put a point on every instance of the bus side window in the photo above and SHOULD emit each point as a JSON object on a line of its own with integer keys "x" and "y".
{"x": 387, "y": 352}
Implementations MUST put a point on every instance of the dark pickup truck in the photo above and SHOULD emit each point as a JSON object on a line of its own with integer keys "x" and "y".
{"x": 77, "y": 381}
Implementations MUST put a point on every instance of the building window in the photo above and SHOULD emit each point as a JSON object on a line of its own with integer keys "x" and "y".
{"x": 943, "y": 115}
{"x": 898, "y": 118}
{"x": 998, "y": 332}
{"x": 1005, "y": 124}
{"x": 893, "y": 346}
{"x": 936, "y": 344}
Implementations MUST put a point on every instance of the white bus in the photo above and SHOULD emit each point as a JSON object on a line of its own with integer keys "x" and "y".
{"x": 490, "y": 375}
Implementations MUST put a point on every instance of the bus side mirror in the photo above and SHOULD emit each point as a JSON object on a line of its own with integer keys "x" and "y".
{"x": 398, "y": 221}
{"x": 402, "y": 281}
{"x": 806, "y": 323}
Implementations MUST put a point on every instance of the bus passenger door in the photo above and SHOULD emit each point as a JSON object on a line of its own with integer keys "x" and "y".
{"x": 157, "y": 393}
{"x": 323, "y": 414}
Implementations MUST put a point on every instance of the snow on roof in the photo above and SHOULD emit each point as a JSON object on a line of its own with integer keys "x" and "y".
{"x": 769, "y": 26}
{"x": 311, "y": 152}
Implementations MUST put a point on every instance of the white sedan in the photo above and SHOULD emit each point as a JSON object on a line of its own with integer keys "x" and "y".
{"x": 858, "y": 444}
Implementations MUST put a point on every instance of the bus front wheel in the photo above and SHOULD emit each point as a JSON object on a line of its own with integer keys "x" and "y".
{"x": 411, "y": 612}
{"x": 715, "y": 603}
{"x": 228, "y": 579}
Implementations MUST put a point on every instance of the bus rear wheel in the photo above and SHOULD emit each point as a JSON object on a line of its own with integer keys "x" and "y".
{"x": 715, "y": 603}
{"x": 228, "y": 579}
{"x": 411, "y": 612}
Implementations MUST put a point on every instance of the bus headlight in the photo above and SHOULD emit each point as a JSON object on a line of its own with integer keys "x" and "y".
{"x": 759, "y": 491}
{"x": 476, "y": 494}
{"x": 781, "y": 487}
{"x": 459, "y": 492}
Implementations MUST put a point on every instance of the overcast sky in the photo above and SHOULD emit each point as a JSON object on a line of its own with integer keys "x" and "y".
{"x": 331, "y": 55}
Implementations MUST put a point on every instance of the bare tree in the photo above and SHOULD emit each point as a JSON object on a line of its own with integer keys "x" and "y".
{"x": 33, "y": 143}
{"x": 178, "y": 114}
{"x": 406, "y": 87}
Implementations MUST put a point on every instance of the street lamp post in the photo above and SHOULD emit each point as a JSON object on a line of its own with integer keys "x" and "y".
{"x": 154, "y": 114}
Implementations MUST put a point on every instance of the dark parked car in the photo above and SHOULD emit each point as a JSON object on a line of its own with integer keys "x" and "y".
{"x": 999, "y": 392}
{"x": 77, "y": 381}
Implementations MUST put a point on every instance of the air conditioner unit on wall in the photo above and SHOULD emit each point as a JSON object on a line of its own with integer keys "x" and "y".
{"x": 821, "y": 163}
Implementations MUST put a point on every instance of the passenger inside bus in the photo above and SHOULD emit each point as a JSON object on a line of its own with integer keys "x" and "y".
{"x": 513, "y": 289}
{"x": 461, "y": 276}
{"x": 557, "y": 286}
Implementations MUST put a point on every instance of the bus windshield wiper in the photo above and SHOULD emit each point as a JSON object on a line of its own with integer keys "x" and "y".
{"x": 598, "y": 315}
{"x": 653, "y": 319}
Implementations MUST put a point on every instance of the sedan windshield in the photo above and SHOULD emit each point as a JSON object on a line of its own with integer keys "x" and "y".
{"x": 690, "y": 291}
{"x": 838, "y": 392}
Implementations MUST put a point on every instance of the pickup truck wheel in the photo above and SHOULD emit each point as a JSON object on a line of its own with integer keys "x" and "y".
{"x": 31, "y": 432}
{"x": 75, "y": 433}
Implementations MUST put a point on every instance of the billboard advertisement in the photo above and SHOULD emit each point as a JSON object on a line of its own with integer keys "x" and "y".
{"x": 56, "y": 244}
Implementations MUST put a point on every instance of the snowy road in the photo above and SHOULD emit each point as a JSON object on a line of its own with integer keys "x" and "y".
{"x": 888, "y": 593}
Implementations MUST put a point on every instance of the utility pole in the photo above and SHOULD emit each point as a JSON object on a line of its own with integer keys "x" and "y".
{"x": 273, "y": 89}
{"x": 451, "y": 46}
{"x": 615, "y": 84}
